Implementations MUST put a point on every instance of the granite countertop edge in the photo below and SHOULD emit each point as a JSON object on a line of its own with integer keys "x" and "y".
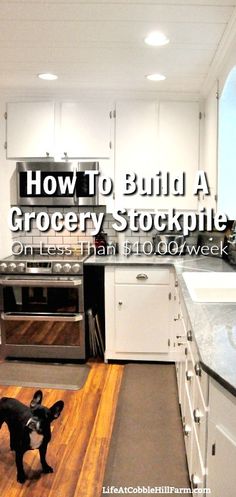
{"x": 213, "y": 324}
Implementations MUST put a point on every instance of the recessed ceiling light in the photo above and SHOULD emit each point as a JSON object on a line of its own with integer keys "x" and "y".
{"x": 156, "y": 39}
{"x": 156, "y": 77}
{"x": 48, "y": 76}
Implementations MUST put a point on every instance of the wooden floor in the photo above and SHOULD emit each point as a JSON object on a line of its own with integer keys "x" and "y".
{"x": 80, "y": 440}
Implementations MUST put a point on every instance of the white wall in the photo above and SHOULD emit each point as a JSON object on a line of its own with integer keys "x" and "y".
{"x": 7, "y": 181}
{"x": 220, "y": 134}
{"x": 227, "y": 147}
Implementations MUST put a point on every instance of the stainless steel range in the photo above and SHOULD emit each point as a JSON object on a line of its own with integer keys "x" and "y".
{"x": 42, "y": 307}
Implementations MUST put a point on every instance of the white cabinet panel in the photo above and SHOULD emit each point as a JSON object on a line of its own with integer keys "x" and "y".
{"x": 221, "y": 453}
{"x": 30, "y": 130}
{"x": 221, "y": 462}
{"x": 142, "y": 275}
{"x": 136, "y": 149}
{"x": 138, "y": 314}
{"x": 210, "y": 146}
{"x": 86, "y": 129}
{"x": 141, "y": 316}
{"x": 155, "y": 138}
{"x": 179, "y": 148}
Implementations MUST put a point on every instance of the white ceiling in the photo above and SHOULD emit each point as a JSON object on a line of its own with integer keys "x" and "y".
{"x": 99, "y": 44}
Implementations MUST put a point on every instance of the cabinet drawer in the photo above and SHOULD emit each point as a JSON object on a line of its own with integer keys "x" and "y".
{"x": 197, "y": 475}
{"x": 190, "y": 378}
{"x": 184, "y": 311}
{"x": 200, "y": 421}
{"x": 201, "y": 376}
{"x": 142, "y": 275}
{"x": 188, "y": 429}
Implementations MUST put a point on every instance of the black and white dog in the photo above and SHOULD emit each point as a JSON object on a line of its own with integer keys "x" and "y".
{"x": 29, "y": 428}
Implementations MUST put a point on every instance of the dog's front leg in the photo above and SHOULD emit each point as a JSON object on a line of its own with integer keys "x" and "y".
{"x": 19, "y": 465}
{"x": 45, "y": 465}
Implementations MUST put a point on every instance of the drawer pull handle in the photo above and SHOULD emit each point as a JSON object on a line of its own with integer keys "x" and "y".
{"x": 187, "y": 430}
{"x": 189, "y": 375}
{"x": 195, "y": 480}
{"x": 142, "y": 276}
{"x": 198, "y": 369}
{"x": 197, "y": 415}
{"x": 189, "y": 336}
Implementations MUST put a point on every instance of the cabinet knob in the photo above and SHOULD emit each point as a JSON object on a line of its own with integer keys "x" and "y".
{"x": 120, "y": 302}
{"x": 189, "y": 375}
{"x": 47, "y": 154}
{"x": 198, "y": 369}
{"x": 195, "y": 480}
{"x": 197, "y": 415}
{"x": 187, "y": 430}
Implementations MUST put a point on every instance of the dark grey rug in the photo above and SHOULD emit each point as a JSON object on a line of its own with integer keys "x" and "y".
{"x": 44, "y": 375}
{"x": 147, "y": 446}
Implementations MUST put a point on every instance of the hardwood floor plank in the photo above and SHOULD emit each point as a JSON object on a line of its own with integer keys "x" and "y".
{"x": 80, "y": 439}
{"x": 91, "y": 476}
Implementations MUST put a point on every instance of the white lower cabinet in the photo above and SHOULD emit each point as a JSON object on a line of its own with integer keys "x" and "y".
{"x": 193, "y": 399}
{"x": 209, "y": 422}
{"x": 146, "y": 319}
{"x": 141, "y": 327}
{"x": 138, "y": 304}
{"x": 221, "y": 450}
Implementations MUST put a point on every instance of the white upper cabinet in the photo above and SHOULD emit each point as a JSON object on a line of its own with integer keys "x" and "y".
{"x": 210, "y": 145}
{"x": 30, "y": 130}
{"x": 86, "y": 130}
{"x": 136, "y": 149}
{"x": 179, "y": 149}
{"x": 153, "y": 139}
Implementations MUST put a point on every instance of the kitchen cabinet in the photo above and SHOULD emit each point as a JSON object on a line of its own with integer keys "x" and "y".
{"x": 30, "y": 130}
{"x": 136, "y": 149}
{"x": 156, "y": 136}
{"x": 86, "y": 130}
{"x": 178, "y": 137}
{"x": 138, "y": 313}
{"x": 210, "y": 146}
{"x": 193, "y": 389}
{"x": 221, "y": 454}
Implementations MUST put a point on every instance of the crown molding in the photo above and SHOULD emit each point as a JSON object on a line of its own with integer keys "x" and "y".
{"x": 221, "y": 55}
{"x": 70, "y": 94}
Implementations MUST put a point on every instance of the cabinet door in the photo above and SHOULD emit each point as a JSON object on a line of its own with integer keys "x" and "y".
{"x": 210, "y": 146}
{"x": 142, "y": 318}
{"x": 30, "y": 130}
{"x": 136, "y": 149}
{"x": 221, "y": 462}
{"x": 86, "y": 130}
{"x": 179, "y": 148}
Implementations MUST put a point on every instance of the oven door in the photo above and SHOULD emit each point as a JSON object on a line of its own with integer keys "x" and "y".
{"x": 42, "y": 294}
{"x": 43, "y": 318}
{"x": 43, "y": 335}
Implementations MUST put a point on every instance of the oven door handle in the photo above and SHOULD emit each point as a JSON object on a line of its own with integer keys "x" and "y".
{"x": 8, "y": 316}
{"x": 38, "y": 283}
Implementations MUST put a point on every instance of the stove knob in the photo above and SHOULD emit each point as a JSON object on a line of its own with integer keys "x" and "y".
{"x": 57, "y": 268}
{"x": 3, "y": 267}
{"x": 76, "y": 268}
{"x": 12, "y": 267}
{"x": 66, "y": 268}
{"x": 21, "y": 267}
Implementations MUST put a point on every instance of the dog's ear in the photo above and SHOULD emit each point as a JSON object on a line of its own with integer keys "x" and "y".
{"x": 56, "y": 409}
{"x": 37, "y": 398}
